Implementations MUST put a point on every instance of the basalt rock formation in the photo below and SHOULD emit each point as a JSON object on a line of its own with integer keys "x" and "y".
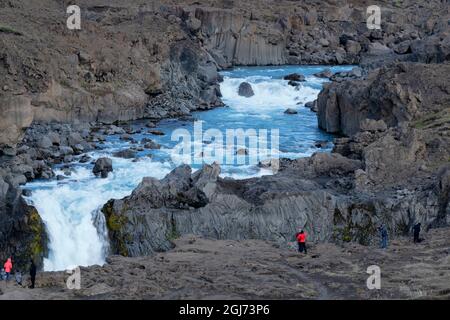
{"x": 22, "y": 232}
{"x": 403, "y": 92}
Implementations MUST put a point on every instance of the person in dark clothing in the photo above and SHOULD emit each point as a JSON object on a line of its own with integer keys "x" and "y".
{"x": 416, "y": 230}
{"x": 32, "y": 273}
{"x": 384, "y": 236}
{"x": 301, "y": 239}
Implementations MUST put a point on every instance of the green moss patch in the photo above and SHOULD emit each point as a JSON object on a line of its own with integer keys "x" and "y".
{"x": 116, "y": 226}
{"x": 6, "y": 29}
{"x": 434, "y": 120}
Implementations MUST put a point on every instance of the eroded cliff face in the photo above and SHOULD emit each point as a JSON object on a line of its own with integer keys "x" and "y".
{"x": 22, "y": 232}
{"x": 403, "y": 92}
{"x": 316, "y": 32}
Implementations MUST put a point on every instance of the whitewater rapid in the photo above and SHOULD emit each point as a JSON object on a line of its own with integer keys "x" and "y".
{"x": 70, "y": 208}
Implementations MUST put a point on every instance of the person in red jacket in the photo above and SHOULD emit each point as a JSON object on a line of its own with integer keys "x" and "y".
{"x": 8, "y": 267}
{"x": 301, "y": 239}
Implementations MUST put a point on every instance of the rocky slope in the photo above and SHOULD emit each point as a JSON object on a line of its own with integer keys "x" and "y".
{"x": 127, "y": 62}
{"x": 402, "y": 92}
{"x": 200, "y": 268}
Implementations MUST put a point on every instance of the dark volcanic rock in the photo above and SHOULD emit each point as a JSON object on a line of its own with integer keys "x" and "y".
{"x": 290, "y": 111}
{"x": 245, "y": 90}
{"x": 174, "y": 71}
{"x": 102, "y": 167}
{"x": 85, "y": 159}
{"x": 156, "y": 132}
{"x": 150, "y": 144}
{"x": 327, "y": 73}
{"x": 321, "y": 144}
{"x": 161, "y": 61}
{"x": 312, "y": 105}
{"x": 293, "y": 83}
{"x": 169, "y": 75}
{"x": 294, "y": 77}
{"x": 316, "y": 193}
{"x": 22, "y": 232}
{"x": 126, "y": 154}
{"x": 404, "y": 92}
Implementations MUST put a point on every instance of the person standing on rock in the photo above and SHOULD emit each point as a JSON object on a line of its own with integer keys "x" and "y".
{"x": 384, "y": 236}
{"x": 8, "y": 267}
{"x": 32, "y": 273}
{"x": 301, "y": 239}
{"x": 416, "y": 230}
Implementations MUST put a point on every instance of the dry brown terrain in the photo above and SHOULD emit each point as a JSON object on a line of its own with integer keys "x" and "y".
{"x": 252, "y": 269}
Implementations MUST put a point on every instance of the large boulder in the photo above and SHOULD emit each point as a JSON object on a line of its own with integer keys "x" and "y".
{"x": 245, "y": 90}
{"x": 327, "y": 73}
{"x": 102, "y": 167}
{"x": 126, "y": 154}
{"x": 294, "y": 77}
{"x": 376, "y": 48}
{"x": 290, "y": 111}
